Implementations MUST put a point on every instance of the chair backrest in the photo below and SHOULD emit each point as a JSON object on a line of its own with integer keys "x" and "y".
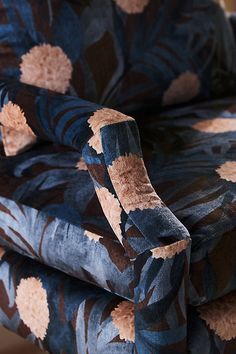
{"x": 124, "y": 54}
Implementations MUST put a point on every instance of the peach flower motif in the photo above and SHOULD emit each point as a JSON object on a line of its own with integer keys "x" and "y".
{"x": 106, "y": 116}
{"x": 15, "y": 141}
{"x": 216, "y": 125}
{"x": 96, "y": 143}
{"x": 92, "y": 236}
{"x": 2, "y": 252}
{"x": 170, "y": 250}
{"x": 123, "y": 319}
{"x": 32, "y": 304}
{"x": 112, "y": 210}
{"x": 132, "y": 184}
{"x": 12, "y": 116}
{"x": 220, "y": 316}
{"x": 100, "y": 119}
{"x": 227, "y": 171}
{"x": 46, "y": 66}
{"x": 183, "y": 89}
{"x": 16, "y": 133}
{"x": 132, "y": 6}
{"x": 81, "y": 165}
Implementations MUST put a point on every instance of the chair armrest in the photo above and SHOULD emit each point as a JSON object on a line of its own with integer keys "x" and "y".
{"x": 155, "y": 240}
{"x": 158, "y": 244}
{"x": 51, "y": 116}
{"x": 113, "y": 138}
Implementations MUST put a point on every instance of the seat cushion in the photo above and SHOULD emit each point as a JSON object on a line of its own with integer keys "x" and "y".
{"x": 191, "y": 160}
{"x": 49, "y": 210}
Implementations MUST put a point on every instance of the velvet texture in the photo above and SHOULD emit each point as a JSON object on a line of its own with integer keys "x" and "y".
{"x": 79, "y": 316}
{"x": 54, "y": 185}
{"x": 82, "y": 201}
{"x": 190, "y": 157}
{"x": 123, "y": 56}
{"x": 134, "y": 224}
{"x": 84, "y": 319}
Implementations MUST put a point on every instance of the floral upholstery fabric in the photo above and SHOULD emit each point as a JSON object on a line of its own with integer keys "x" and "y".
{"x": 124, "y": 54}
{"x": 191, "y": 161}
{"x": 153, "y": 256}
{"x": 54, "y": 188}
{"x": 62, "y": 314}
{"x": 53, "y": 197}
{"x": 37, "y": 175}
{"x": 81, "y": 199}
{"x": 78, "y": 318}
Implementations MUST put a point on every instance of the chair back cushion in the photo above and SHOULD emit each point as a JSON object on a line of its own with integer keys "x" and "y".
{"x": 131, "y": 55}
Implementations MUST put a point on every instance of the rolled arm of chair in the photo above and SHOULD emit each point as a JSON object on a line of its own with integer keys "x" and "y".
{"x": 112, "y": 140}
{"x": 155, "y": 240}
{"x": 51, "y": 116}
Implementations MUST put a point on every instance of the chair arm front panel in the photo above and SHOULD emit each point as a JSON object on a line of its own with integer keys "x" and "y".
{"x": 155, "y": 240}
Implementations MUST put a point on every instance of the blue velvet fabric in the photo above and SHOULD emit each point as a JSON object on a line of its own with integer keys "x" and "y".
{"x": 138, "y": 238}
{"x": 83, "y": 318}
{"x": 80, "y": 315}
{"x": 81, "y": 200}
{"x": 126, "y": 57}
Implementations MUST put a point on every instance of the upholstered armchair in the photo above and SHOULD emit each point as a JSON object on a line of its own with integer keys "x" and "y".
{"x": 117, "y": 175}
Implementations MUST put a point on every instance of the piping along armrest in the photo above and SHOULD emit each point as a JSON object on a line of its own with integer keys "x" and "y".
{"x": 155, "y": 240}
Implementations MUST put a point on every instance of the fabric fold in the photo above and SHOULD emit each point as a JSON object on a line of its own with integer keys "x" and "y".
{"x": 126, "y": 202}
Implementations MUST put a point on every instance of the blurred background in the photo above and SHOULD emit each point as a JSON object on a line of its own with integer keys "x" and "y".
{"x": 12, "y": 344}
{"x": 231, "y": 5}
